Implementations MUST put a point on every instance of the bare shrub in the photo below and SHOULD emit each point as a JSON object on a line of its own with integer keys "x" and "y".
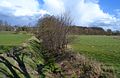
{"x": 53, "y": 31}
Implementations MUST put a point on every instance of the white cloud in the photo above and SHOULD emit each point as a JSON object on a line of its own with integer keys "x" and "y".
{"x": 54, "y": 6}
{"x": 21, "y": 12}
{"x": 117, "y": 12}
{"x": 84, "y": 12}
{"x": 22, "y": 7}
{"x": 88, "y": 12}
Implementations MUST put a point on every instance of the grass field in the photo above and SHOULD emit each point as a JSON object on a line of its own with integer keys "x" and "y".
{"x": 9, "y": 39}
{"x": 105, "y": 49}
{"x": 13, "y": 39}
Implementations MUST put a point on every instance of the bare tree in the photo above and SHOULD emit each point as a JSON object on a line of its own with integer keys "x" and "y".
{"x": 53, "y": 32}
{"x": 109, "y": 32}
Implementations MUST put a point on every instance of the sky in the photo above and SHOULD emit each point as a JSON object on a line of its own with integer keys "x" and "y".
{"x": 102, "y": 13}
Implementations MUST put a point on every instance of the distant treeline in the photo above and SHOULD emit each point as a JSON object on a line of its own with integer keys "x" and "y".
{"x": 79, "y": 30}
{"x": 4, "y": 26}
{"x": 75, "y": 30}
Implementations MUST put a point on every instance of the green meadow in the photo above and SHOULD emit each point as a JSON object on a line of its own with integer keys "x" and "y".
{"x": 13, "y": 39}
{"x": 105, "y": 49}
{"x": 9, "y": 39}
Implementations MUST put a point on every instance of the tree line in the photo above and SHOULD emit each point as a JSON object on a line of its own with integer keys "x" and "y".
{"x": 4, "y": 26}
{"x": 80, "y": 30}
{"x": 74, "y": 30}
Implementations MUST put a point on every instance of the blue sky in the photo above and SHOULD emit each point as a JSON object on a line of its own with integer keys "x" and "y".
{"x": 109, "y": 6}
{"x": 103, "y": 13}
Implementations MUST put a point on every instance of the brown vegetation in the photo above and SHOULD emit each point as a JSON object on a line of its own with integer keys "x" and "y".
{"x": 53, "y": 31}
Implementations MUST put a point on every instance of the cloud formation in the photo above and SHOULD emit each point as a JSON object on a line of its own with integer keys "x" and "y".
{"x": 20, "y": 11}
{"x": 83, "y": 12}
{"x": 54, "y": 6}
{"x": 22, "y": 7}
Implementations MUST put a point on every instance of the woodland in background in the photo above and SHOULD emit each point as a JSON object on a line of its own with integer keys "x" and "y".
{"x": 74, "y": 30}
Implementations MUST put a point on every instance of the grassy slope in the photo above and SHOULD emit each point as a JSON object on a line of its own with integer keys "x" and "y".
{"x": 13, "y": 39}
{"x": 8, "y": 40}
{"x": 105, "y": 49}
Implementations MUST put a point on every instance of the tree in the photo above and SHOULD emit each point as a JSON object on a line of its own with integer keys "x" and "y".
{"x": 109, "y": 32}
{"x": 53, "y": 31}
{"x": 117, "y": 32}
{"x": 4, "y": 26}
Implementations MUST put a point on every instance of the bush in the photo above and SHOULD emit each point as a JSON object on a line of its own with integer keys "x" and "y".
{"x": 53, "y": 31}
